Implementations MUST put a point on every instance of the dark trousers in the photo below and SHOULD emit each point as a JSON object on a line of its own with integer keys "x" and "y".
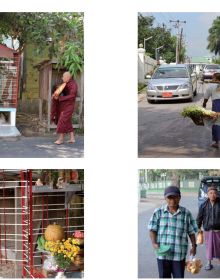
{"x": 171, "y": 269}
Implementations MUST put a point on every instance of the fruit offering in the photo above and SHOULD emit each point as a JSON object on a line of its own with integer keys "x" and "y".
{"x": 54, "y": 232}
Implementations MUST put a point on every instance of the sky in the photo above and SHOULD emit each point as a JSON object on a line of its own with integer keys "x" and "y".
{"x": 195, "y": 29}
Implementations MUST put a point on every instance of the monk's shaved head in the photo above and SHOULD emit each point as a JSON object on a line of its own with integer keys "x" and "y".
{"x": 66, "y": 77}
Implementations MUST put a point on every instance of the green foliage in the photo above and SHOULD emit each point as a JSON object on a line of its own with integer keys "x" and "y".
{"x": 61, "y": 33}
{"x": 81, "y": 175}
{"x": 214, "y": 37}
{"x": 151, "y": 175}
{"x": 72, "y": 58}
{"x": 62, "y": 262}
{"x": 41, "y": 243}
{"x": 161, "y": 36}
{"x": 141, "y": 86}
{"x": 196, "y": 111}
{"x": 216, "y": 60}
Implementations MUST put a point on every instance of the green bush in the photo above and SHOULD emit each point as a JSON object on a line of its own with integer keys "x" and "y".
{"x": 141, "y": 86}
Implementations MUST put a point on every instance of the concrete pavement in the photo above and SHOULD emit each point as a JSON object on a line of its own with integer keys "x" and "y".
{"x": 147, "y": 266}
{"x": 40, "y": 147}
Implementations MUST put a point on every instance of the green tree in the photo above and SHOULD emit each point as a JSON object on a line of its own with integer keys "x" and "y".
{"x": 161, "y": 36}
{"x": 214, "y": 37}
{"x": 145, "y": 25}
{"x": 158, "y": 174}
{"x": 60, "y": 33}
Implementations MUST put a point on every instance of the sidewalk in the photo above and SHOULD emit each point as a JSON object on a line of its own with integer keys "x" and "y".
{"x": 40, "y": 147}
{"x": 141, "y": 97}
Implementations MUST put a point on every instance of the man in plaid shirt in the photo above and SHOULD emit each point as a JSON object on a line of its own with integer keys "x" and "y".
{"x": 171, "y": 225}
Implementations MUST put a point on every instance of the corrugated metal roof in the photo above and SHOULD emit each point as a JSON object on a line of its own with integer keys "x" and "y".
{"x": 6, "y": 52}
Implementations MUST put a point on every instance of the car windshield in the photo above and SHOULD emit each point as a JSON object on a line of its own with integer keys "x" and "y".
{"x": 171, "y": 72}
{"x": 212, "y": 67}
{"x": 207, "y": 184}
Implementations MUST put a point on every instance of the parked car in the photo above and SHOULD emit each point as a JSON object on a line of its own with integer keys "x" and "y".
{"x": 209, "y": 70}
{"x": 171, "y": 82}
{"x": 205, "y": 183}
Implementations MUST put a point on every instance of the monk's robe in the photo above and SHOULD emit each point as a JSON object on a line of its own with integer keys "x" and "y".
{"x": 54, "y": 115}
{"x": 65, "y": 108}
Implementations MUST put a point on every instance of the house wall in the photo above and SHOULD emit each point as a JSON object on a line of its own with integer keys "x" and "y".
{"x": 29, "y": 102}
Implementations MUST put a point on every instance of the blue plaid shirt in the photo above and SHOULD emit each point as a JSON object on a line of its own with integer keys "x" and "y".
{"x": 173, "y": 230}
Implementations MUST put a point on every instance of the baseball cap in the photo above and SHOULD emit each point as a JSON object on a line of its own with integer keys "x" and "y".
{"x": 172, "y": 190}
{"x": 212, "y": 188}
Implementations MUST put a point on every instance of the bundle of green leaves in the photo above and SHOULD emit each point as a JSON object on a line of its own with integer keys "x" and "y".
{"x": 195, "y": 111}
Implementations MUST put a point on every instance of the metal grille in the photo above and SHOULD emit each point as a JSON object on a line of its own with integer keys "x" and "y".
{"x": 171, "y": 87}
{"x": 174, "y": 87}
{"x": 9, "y": 81}
{"x": 25, "y": 212}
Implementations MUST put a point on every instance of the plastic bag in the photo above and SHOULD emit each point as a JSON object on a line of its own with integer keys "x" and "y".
{"x": 193, "y": 265}
{"x": 200, "y": 238}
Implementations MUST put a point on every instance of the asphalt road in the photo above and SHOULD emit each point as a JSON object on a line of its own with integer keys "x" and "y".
{"x": 147, "y": 266}
{"x": 40, "y": 147}
{"x": 163, "y": 132}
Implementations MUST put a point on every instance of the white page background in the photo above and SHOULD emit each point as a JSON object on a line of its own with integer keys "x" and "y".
{"x": 110, "y": 163}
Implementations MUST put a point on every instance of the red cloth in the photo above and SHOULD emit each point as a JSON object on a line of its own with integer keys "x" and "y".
{"x": 62, "y": 109}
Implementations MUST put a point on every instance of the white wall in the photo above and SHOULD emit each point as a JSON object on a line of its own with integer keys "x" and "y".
{"x": 146, "y": 64}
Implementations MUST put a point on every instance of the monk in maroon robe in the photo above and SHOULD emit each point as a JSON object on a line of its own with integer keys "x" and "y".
{"x": 64, "y": 107}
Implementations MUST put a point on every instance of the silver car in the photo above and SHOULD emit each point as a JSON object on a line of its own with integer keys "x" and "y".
{"x": 171, "y": 82}
{"x": 209, "y": 71}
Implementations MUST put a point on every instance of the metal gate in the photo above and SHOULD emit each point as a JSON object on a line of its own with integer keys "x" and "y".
{"x": 9, "y": 81}
{"x": 25, "y": 212}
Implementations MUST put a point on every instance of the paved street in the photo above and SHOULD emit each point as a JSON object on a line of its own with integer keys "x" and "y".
{"x": 163, "y": 132}
{"x": 147, "y": 266}
{"x": 40, "y": 147}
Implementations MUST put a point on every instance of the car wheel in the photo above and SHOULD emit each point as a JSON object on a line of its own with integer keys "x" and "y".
{"x": 190, "y": 99}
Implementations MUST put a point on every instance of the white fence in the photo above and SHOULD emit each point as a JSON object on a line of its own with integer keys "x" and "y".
{"x": 162, "y": 184}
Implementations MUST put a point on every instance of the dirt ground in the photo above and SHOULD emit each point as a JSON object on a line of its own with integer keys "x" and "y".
{"x": 29, "y": 125}
{"x": 7, "y": 270}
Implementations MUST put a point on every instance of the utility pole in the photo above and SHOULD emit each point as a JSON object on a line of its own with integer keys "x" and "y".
{"x": 177, "y": 24}
{"x": 181, "y": 42}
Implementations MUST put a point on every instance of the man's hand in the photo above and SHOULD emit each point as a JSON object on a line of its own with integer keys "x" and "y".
{"x": 54, "y": 96}
{"x": 155, "y": 245}
{"x": 193, "y": 242}
{"x": 214, "y": 116}
{"x": 193, "y": 251}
